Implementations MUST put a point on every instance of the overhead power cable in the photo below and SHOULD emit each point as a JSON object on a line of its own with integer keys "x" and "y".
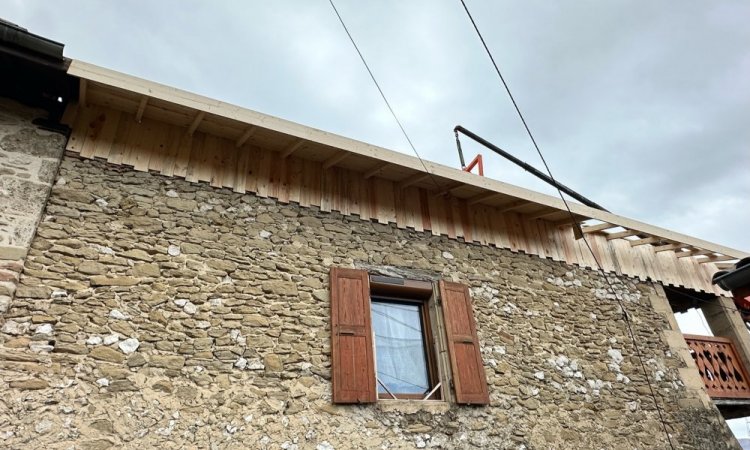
{"x": 385, "y": 99}
{"x": 565, "y": 202}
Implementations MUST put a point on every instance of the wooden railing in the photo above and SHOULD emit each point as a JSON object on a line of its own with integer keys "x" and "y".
{"x": 720, "y": 366}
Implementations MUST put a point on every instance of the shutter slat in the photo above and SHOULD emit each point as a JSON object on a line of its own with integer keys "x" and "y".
{"x": 463, "y": 345}
{"x": 353, "y": 365}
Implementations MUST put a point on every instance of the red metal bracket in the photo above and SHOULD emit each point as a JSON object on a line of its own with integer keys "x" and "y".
{"x": 476, "y": 162}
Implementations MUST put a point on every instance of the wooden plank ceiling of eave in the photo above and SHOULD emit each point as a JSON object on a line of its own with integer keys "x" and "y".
{"x": 143, "y": 106}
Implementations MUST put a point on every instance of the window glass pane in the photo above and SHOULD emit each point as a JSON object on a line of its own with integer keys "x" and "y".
{"x": 399, "y": 346}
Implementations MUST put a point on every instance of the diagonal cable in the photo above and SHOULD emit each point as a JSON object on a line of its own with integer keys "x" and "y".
{"x": 562, "y": 197}
{"x": 385, "y": 99}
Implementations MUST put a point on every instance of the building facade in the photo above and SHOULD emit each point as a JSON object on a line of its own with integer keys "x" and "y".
{"x": 147, "y": 300}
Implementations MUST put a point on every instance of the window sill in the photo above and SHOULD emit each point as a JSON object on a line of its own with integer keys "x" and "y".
{"x": 414, "y": 406}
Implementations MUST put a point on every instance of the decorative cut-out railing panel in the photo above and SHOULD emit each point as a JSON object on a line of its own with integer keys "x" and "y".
{"x": 720, "y": 366}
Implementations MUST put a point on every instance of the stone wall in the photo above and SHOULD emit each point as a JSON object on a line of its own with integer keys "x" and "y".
{"x": 157, "y": 313}
{"x": 29, "y": 159}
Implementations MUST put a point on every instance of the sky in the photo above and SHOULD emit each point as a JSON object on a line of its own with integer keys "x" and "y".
{"x": 645, "y": 108}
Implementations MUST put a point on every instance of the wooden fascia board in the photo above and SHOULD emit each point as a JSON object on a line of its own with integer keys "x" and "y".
{"x": 232, "y": 112}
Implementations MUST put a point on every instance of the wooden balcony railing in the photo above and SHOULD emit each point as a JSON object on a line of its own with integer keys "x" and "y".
{"x": 720, "y": 366}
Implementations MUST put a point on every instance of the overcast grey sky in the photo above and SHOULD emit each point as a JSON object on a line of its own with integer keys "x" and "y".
{"x": 643, "y": 107}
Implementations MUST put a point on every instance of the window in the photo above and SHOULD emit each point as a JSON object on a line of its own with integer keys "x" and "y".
{"x": 400, "y": 351}
{"x": 405, "y": 365}
{"x": 386, "y": 336}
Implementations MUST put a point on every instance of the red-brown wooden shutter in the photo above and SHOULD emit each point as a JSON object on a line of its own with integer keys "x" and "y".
{"x": 353, "y": 373}
{"x": 463, "y": 345}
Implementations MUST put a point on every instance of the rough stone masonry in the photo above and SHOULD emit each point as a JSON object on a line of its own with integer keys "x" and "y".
{"x": 29, "y": 159}
{"x": 153, "y": 312}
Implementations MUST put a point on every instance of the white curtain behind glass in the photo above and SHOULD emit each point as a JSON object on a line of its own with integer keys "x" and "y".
{"x": 399, "y": 346}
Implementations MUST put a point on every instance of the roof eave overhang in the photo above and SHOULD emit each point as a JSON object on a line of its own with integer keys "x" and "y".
{"x": 386, "y": 159}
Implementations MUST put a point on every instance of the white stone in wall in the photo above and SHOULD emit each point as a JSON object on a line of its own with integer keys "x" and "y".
{"x": 15, "y": 328}
{"x": 43, "y": 426}
{"x": 103, "y": 249}
{"x": 255, "y": 364}
{"x": 118, "y": 315}
{"x": 174, "y": 250}
{"x": 40, "y": 347}
{"x": 129, "y": 345}
{"x": 45, "y": 328}
{"x": 94, "y": 340}
{"x": 616, "y": 355}
{"x": 111, "y": 339}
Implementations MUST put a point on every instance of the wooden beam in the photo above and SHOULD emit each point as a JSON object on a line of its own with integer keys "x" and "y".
{"x": 197, "y": 121}
{"x": 83, "y": 91}
{"x": 644, "y": 241}
{"x": 292, "y": 148}
{"x": 447, "y": 190}
{"x": 543, "y": 213}
{"x": 569, "y": 220}
{"x": 375, "y": 170}
{"x": 335, "y": 159}
{"x": 724, "y": 265}
{"x": 411, "y": 180}
{"x": 716, "y": 259}
{"x": 622, "y": 234}
{"x": 596, "y": 228}
{"x": 483, "y": 197}
{"x": 141, "y": 108}
{"x": 245, "y": 136}
{"x": 696, "y": 252}
{"x": 668, "y": 247}
{"x": 512, "y": 205}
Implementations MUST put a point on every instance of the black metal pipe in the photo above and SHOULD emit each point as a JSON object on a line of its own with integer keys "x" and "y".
{"x": 523, "y": 165}
{"x": 460, "y": 152}
{"x": 736, "y": 278}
